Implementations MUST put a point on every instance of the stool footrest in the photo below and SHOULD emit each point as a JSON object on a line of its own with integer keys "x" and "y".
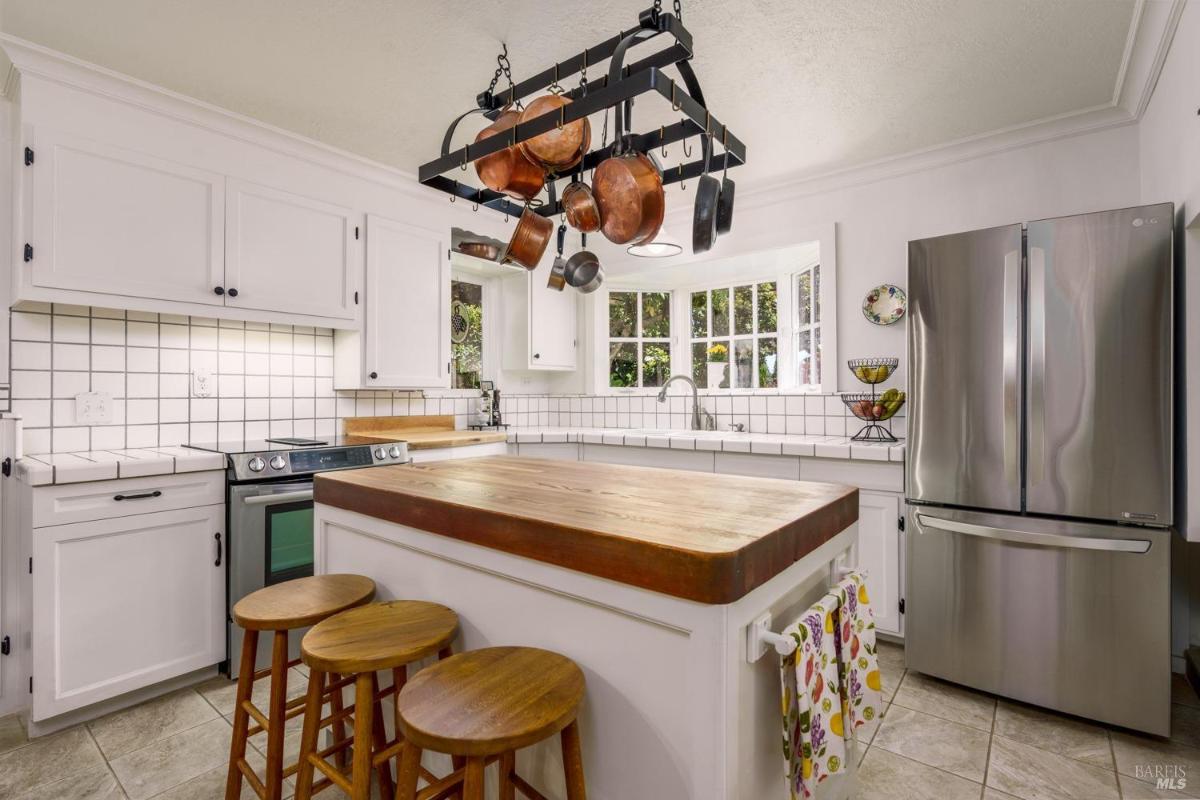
{"x": 524, "y": 788}
{"x": 265, "y": 671}
{"x": 440, "y": 788}
{"x": 248, "y": 773}
{"x": 331, "y": 772}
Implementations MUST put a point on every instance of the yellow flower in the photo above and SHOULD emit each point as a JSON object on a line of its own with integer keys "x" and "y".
{"x": 873, "y": 680}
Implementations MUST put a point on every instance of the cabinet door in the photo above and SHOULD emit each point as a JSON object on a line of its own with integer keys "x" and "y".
{"x": 123, "y": 603}
{"x": 118, "y": 222}
{"x": 552, "y": 328}
{"x": 288, "y": 253}
{"x": 407, "y": 327}
{"x": 879, "y": 556}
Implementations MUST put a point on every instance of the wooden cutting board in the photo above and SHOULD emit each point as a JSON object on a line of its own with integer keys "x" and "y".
{"x": 421, "y": 433}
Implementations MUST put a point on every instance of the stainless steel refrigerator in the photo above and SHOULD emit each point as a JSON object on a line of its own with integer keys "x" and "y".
{"x": 1039, "y": 474}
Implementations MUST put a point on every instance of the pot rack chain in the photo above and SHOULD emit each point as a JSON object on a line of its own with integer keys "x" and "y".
{"x": 594, "y": 96}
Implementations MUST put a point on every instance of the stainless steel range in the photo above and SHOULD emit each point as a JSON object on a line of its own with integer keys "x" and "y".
{"x": 269, "y": 502}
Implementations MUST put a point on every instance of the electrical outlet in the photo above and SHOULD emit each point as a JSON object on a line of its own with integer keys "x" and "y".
{"x": 93, "y": 408}
{"x": 202, "y": 382}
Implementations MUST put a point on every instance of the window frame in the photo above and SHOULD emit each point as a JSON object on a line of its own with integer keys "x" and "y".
{"x": 820, "y": 325}
{"x": 602, "y": 326}
{"x": 732, "y": 337}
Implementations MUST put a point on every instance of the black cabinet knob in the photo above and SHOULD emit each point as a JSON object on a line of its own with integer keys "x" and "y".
{"x": 233, "y": 292}
{"x": 374, "y": 375}
{"x": 537, "y": 355}
{"x": 219, "y": 290}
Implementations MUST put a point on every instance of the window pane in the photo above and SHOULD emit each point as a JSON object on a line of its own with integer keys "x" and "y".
{"x": 622, "y": 315}
{"x": 699, "y": 315}
{"x": 622, "y": 364}
{"x": 767, "y": 308}
{"x": 816, "y": 374}
{"x": 700, "y": 364}
{"x": 656, "y": 314}
{"x": 743, "y": 309}
{"x": 804, "y": 298}
{"x": 467, "y": 354}
{"x": 718, "y": 365}
{"x": 804, "y": 358}
{"x": 816, "y": 293}
{"x": 768, "y": 363}
{"x": 720, "y": 312}
{"x": 656, "y": 363}
{"x": 744, "y": 363}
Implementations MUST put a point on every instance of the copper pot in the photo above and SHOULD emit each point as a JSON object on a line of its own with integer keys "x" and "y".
{"x": 529, "y": 240}
{"x": 561, "y": 147}
{"x": 629, "y": 193}
{"x": 580, "y": 207}
{"x": 509, "y": 171}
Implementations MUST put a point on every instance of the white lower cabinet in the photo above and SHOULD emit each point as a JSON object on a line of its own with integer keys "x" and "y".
{"x": 879, "y": 555}
{"x": 123, "y": 603}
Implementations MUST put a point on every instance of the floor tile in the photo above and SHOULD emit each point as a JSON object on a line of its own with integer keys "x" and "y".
{"x": 48, "y": 759}
{"x": 174, "y": 760}
{"x": 933, "y": 741}
{"x": 1185, "y": 725}
{"x": 890, "y": 678}
{"x": 222, "y": 692}
{"x": 12, "y": 733}
{"x": 1133, "y": 789}
{"x": 886, "y": 776}
{"x": 1033, "y": 773}
{"x": 890, "y": 655}
{"x": 211, "y": 784}
{"x": 134, "y": 728}
{"x": 1059, "y": 734}
{"x": 1182, "y": 691}
{"x": 945, "y": 700}
{"x": 994, "y": 794}
{"x": 1136, "y": 753}
{"x": 97, "y": 783}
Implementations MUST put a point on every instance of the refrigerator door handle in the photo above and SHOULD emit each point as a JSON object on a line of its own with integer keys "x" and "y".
{"x": 1011, "y": 365}
{"x": 1037, "y": 365}
{"x": 1039, "y": 539}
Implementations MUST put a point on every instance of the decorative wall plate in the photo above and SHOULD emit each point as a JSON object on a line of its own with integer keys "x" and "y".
{"x": 885, "y": 304}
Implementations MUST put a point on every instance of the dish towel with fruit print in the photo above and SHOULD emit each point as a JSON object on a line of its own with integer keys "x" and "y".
{"x": 858, "y": 664}
{"x": 813, "y": 743}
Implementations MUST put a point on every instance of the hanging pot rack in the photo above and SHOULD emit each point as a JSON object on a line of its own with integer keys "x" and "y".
{"x": 593, "y": 96}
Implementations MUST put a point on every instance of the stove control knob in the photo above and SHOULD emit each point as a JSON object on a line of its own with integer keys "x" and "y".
{"x": 394, "y": 451}
{"x": 380, "y": 453}
{"x": 278, "y": 463}
{"x": 257, "y": 464}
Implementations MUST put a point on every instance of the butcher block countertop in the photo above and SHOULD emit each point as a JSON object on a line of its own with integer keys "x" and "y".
{"x": 703, "y": 537}
{"x": 421, "y": 433}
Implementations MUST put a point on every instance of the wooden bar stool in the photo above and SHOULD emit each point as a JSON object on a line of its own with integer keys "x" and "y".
{"x": 357, "y": 644}
{"x": 485, "y": 705}
{"x": 279, "y": 608}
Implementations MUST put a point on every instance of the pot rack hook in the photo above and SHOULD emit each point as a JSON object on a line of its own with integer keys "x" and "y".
{"x": 682, "y": 185}
{"x": 454, "y": 194}
{"x": 687, "y": 151}
{"x": 675, "y": 106}
{"x": 662, "y": 137}
{"x": 466, "y": 151}
{"x": 562, "y": 110}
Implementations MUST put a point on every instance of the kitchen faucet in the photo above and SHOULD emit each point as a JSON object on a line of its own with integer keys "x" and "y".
{"x": 698, "y": 424}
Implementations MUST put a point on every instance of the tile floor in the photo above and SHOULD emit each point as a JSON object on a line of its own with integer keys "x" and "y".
{"x": 934, "y": 741}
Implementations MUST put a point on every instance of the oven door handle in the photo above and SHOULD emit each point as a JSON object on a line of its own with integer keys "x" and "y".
{"x": 281, "y": 497}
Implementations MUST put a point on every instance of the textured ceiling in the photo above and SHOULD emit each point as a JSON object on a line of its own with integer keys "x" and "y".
{"x": 809, "y": 86}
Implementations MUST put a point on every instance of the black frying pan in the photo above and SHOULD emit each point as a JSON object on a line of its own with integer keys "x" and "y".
{"x": 708, "y": 195}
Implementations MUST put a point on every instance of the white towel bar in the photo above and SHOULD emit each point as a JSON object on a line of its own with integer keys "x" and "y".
{"x": 760, "y": 637}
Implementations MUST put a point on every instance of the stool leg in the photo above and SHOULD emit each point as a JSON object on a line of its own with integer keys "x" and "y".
{"x": 399, "y": 678}
{"x": 473, "y": 781}
{"x": 360, "y": 771}
{"x": 241, "y": 719}
{"x": 457, "y": 761}
{"x": 276, "y": 716}
{"x": 573, "y": 762}
{"x": 508, "y": 763}
{"x": 308, "y": 738}
{"x": 337, "y": 703}
{"x": 379, "y": 740}
{"x": 410, "y": 771}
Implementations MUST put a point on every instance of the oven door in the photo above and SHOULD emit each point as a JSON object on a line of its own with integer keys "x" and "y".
{"x": 270, "y": 541}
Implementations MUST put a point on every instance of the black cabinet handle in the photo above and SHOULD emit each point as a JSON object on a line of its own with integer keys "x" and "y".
{"x": 142, "y": 496}
{"x": 218, "y": 290}
{"x": 217, "y": 536}
{"x": 233, "y": 292}
{"x": 374, "y": 375}
{"x": 537, "y": 355}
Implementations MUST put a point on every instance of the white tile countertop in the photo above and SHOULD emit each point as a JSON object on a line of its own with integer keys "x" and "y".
{"x": 725, "y": 441}
{"x": 45, "y": 469}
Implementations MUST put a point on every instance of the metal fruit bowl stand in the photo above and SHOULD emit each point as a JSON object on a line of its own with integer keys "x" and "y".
{"x": 868, "y": 406}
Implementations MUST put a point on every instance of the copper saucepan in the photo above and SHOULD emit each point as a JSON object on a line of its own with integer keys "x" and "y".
{"x": 580, "y": 207}
{"x": 529, "y": 240}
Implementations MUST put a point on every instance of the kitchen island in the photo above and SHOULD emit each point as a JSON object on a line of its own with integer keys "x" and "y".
{"x": 647, "y": 578}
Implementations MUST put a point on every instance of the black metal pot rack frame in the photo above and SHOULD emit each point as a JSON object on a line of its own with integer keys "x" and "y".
{"x": 637, "y": 79}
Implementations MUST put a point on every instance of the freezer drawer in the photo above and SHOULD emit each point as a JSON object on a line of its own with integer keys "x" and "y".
{"x": 1074, "y": 617}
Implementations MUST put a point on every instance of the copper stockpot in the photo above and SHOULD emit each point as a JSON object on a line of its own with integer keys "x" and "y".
{"x": 629, "y": 193}
{"x": 559, "y": 148}
{"x": 580, "y": 207}
{"x": 509, "y": 171}
{"x": 529, "y": 240}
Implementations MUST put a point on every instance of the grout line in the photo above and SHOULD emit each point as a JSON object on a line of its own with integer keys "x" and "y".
{"x": 1112, "y": 752}
{"x": 107, "y": 764}
{"x": 987, "y": 764}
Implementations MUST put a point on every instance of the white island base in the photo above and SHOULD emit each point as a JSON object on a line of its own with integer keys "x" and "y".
{"x": 673, "y": 710}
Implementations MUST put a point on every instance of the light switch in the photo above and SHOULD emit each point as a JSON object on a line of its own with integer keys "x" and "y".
{"x": 202, "y": 382}
{"x": 93, "y": 408}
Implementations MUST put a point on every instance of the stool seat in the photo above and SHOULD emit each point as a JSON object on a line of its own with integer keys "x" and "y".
{"x": 301, "y": 602}
{"x": 490, "y": 701}
{"x": 379, "y": 636}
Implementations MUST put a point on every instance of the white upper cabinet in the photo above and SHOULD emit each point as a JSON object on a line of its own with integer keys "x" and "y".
{"x": 406, "y": 333}
{"x": 541, "y": 323}
{"x": 287, "y": 252}
{"x": 117, "y": 222}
